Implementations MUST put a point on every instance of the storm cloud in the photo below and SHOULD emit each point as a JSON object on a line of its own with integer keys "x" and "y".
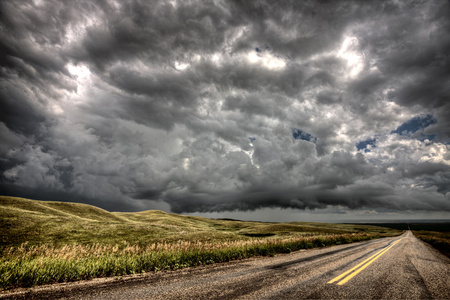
{"x": 215, "y": 106}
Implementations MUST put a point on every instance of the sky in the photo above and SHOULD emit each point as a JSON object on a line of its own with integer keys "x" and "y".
{"x": 256, "y": 110}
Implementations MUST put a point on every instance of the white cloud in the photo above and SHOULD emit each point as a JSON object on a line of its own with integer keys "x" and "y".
{"x": 350, "y": 53}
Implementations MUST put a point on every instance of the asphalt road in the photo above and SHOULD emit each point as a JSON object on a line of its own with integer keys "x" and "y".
{"x": 390, "y": 268}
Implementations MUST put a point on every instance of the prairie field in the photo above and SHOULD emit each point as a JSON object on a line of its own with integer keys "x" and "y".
{"x": 44, "y": 242}
{"x": 435, "y": 234}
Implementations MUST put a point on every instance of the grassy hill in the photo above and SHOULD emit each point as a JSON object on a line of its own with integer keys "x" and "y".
{"x": 47, "y": 242}
{"x": 59, "y": 223}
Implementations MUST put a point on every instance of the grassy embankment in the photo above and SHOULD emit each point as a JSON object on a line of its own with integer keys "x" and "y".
{"x": 435, "y": 234}
{"x": 47, "y": 242}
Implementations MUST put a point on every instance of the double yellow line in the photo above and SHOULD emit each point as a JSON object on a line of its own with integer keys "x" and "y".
{"x": 361, "y": 266}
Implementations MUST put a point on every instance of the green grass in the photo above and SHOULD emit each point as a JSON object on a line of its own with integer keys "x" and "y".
{"x": 47, "y": 242}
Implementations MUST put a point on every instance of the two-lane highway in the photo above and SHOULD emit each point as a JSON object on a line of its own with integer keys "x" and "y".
{"x": 391, "y": 268}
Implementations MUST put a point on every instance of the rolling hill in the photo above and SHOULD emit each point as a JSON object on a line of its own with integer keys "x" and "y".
{"x": 36, "y": 222}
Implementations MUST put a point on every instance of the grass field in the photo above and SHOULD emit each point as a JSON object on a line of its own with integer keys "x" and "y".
{"x": 46, "y": 242}
{"x": 435, "y": 234}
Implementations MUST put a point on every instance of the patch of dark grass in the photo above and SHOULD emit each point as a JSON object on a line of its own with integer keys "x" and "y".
{"x": 258, "y": 234}
{"x": 438, "y": 239}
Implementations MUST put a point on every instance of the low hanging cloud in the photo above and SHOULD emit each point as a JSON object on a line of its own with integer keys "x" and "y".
{"x": 224, "y": 106}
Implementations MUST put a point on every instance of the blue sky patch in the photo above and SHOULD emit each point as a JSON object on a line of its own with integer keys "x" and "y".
{"x": 415, "y": 124}
{"x": 301, "y": 135}
{"x": 363, "y": 144}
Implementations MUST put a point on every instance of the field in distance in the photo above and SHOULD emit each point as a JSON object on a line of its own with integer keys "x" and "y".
{"x": 61, "y": 223}
{"x": 46, "y": 242}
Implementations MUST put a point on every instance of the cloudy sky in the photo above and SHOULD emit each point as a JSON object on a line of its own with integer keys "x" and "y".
{"x": 272, "y": 110}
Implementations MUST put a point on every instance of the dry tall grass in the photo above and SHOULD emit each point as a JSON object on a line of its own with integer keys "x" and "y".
{"x": 74, "y": 251}
{"x": 439, "y": 240}
{"x": 27, "y": 265}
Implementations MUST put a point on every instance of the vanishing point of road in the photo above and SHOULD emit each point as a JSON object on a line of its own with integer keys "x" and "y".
{"x": 400, "y": 267}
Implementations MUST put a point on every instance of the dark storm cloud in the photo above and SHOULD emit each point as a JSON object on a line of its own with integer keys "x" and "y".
{"x": 301, "y": 29}
{"x": 368, "y": 84}
{"x": 328, "y": 97}
{"x": 156, "y": 31}
{"x": 18, "y": 113}
{"x": 256, "y": 105}
{"x": 134, "y": 105}
{"x": 372, "y": 196}
{"x": 410, "y": 49}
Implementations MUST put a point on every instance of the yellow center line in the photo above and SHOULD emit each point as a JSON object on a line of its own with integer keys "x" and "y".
{"x": 343, "y": 281}
{"x": 361, "y": 265}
